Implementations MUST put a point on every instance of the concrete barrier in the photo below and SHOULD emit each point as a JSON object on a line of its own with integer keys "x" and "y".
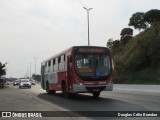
{"x": 1, "y": 85}
{"x": 141, "y": 88}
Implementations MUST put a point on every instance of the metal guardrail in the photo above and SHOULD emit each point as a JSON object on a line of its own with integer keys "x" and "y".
{"x": 136, "y": 88}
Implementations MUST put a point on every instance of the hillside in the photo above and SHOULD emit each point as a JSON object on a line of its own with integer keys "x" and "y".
{"x": 139, "y": 60}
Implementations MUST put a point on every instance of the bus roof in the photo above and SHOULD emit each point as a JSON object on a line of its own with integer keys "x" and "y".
{"x": 70, "y": 48}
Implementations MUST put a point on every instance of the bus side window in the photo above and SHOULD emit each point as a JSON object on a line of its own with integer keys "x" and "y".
{"x": 49, "y": 65}
{"x": 53, "y": 64}
{"x": 56, "y": 64}
{"x": 62, "y": 58}
{"x": 46, "y": 67}
{"x": 69, "y": 62}
{"x": 59, "y": 59}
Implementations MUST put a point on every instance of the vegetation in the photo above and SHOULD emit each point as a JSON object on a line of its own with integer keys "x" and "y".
{"x": 36, "y": 77}
{"x": 137, "y": 21}
{"x": 2, "y": 72}
{"x": 137, "y": 60}
{"x": 2, "y": 69}
{"x": 152, "y": 16}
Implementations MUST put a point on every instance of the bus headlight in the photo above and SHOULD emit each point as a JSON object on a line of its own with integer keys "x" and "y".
{"x": 78, "y": 82}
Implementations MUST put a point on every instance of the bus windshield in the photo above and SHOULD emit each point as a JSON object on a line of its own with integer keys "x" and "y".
{"x": 93, "y": 65}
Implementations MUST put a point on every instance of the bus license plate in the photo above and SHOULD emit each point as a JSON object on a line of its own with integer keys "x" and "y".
{"x": 95, "y": 90}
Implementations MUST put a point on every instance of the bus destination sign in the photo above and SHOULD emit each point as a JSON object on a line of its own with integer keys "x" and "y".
{"x": 91, "y": 50}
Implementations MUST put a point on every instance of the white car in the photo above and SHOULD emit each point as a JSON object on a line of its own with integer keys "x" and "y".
{"x": 24, "y": 83}
{"x": 16, "y": 82}
{"x": 7, "y": 83}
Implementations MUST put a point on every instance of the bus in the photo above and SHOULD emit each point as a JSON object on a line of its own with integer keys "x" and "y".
{"x": 78, "y": 69}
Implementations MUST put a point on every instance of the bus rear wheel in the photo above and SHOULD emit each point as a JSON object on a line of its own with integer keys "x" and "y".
{"x": 95, "y": 94}
{"x": 48, "y": 90}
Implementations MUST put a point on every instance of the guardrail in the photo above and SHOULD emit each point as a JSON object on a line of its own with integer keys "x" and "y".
{"x": 140, "y": 88}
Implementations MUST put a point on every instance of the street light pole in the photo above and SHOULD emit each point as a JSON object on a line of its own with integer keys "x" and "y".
{"x": 88, "y": 22}
{"x": 27, "y": 72}
{"x": 35, "y": 64}
{"x": 30, "y": 70}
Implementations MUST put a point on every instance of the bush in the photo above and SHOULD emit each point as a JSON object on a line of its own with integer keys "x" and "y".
{"x": 140, "y": 53}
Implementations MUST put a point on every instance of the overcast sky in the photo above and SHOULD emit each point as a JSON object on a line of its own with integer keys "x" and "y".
{"x": 42, "y": 28}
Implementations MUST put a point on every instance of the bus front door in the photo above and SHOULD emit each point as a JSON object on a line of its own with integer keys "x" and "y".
{"x": 69, "y": 67}
{"x": 42, "y": 79}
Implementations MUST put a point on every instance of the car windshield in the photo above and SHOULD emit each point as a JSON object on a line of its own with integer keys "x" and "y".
{"x": 95, "y": 65}
{"x": 25, "y": 81}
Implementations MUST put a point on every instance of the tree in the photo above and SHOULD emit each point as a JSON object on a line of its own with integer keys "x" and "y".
{"x": 152, "y": 16}
{"x": 126, "y": 32}
{"x": 114, "y": 45}
{"x": 2, "y": 69}
{"x": 137, "y": 21}
{"x": 126, "y": 35}
{"x": 36, "y": 77}
{"x": 110, "y": 43}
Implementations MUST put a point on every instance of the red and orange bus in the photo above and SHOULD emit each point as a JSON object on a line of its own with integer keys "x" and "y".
{"x": 79, "y": 69}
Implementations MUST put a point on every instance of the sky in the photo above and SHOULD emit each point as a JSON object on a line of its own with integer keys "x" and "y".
{"x": 41, "y": 28}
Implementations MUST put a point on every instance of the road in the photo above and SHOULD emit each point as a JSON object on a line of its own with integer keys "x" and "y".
{"x": 35, "y": 99}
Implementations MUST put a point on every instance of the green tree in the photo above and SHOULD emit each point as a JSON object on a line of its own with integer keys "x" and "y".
{"x": 137, "y": 21}
{"x": 126, "y": 35}
{"x": 110, "y": 43}
{"x": 36, "y": 77}
{"x": 117, "y": 47}
{"x": 114, "y": 45}
{"x": 2, "y": 69}
{"x": 126, "y": 32}
{"x": 152, "y": 16}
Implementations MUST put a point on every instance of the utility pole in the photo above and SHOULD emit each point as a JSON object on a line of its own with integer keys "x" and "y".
{"x": 35, "y": 63}
{"x": 30, "y": 70}
{"x": 88, "y": 9}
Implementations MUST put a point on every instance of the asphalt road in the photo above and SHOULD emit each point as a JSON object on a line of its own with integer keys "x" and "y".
{"x": 35, "y": 99}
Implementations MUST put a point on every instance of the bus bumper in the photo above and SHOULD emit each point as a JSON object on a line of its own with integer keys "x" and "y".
{"x": 79, "y": 88}
{"x": 109, "y": 86}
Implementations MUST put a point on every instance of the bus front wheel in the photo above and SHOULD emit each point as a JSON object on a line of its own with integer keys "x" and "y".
{"x": 96, "y": 94}
{"x": 64, "y": 90}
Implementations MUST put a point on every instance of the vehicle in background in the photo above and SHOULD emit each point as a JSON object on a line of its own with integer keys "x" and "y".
{"x": 24, "y": 83}
{"x": 16, "y": 82}
{"x": 7, "y": 83}
{"x": 33, "y": 82}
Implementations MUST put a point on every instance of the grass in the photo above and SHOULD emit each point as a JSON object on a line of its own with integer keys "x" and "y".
{"x": 149, "y": 76}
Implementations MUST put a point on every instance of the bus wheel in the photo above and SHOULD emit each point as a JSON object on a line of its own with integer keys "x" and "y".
{"x": 47, "y": 89}
{"x": 64, "y": 90}
{"x": 96, "y": 94}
